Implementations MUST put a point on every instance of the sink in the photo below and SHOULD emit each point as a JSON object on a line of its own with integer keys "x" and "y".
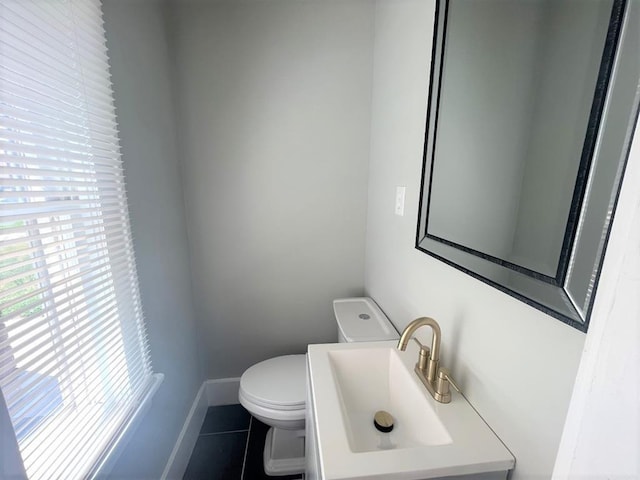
{"x": 350, "y": 382}
{"x": 373, "y": 379}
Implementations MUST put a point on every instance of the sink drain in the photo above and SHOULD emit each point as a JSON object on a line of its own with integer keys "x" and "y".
{"x": 383, "y": 421}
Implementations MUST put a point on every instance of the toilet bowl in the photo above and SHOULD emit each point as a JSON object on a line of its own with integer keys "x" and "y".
{"x": 274, "y": 391}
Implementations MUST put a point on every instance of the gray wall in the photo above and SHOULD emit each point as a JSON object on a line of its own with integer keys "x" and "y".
{"x": 140, "y": 69}
{"x": 515, "y": 364}
{"x": 274, "y": 123}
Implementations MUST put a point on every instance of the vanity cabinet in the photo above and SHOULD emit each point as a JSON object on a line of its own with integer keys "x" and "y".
{"x": 311, "y": 452}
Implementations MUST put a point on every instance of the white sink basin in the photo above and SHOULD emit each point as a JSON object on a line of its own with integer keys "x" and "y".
{"x": 349, "y": 382}
{"x": 373, "y": 379}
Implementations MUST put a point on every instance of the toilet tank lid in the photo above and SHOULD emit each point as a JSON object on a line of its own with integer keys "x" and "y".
{"x": 361, "y": 320}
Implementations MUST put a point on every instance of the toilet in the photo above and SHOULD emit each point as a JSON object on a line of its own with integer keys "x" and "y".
{"x": 274, "y": 391}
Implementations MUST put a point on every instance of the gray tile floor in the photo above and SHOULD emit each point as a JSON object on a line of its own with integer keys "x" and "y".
{"x": 230, "y": 447}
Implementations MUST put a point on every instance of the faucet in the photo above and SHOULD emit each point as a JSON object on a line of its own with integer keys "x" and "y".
{"x": 435, "y": 379}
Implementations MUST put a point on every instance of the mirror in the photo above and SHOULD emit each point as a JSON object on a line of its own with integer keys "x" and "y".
{"x": 529, "y": 120}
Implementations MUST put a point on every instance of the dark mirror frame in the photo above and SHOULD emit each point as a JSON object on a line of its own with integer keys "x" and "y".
{"x": 475, "y": 263}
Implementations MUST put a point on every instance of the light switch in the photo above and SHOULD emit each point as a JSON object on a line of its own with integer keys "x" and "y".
{"x": 400, "y": 192}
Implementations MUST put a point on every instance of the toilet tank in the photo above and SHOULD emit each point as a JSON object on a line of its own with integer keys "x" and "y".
{"x": 361, "y": 320}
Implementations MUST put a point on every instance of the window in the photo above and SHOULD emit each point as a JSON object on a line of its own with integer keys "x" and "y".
{"x": 74, "y": 362}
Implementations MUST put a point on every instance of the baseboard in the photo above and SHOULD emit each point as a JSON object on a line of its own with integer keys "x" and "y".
{"x": 223, "y": 391}
{"x": 181, "y": 453}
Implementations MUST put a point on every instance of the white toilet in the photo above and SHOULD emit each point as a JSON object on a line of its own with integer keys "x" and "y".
{"x": 274, "y": 391}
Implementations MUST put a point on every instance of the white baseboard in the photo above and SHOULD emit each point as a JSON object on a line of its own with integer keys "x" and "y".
{"x": 223, "y": 391}
{"x": 181, "y": 453}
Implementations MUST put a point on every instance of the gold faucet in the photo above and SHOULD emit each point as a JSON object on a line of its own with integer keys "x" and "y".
{"x": 436, "y": 379}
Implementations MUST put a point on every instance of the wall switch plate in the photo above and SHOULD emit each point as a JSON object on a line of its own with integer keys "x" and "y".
{"x": 400, "y": 193}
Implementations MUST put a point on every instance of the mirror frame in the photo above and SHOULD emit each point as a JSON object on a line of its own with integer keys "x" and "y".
{"x": 450, "y": 252}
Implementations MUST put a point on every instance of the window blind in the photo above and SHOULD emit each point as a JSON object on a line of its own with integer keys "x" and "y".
{"x": 74, "y": 362}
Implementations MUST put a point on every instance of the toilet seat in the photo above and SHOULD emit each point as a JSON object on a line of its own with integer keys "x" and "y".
{"x": 277, "y": 384}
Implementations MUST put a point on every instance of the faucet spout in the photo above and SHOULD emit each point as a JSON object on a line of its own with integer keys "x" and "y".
{"x": 416, "y": 324}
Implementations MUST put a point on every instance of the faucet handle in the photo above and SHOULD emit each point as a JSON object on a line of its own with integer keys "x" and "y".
{"x": 423, "y": 358}
{"x": 447, "y": 375}
{"x": 444, "y": 380}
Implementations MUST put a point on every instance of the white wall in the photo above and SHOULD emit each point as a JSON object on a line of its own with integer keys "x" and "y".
{"x": 515, "y": 364}
{"x": 139, "y": 67}
{"x": 274, "y": 121}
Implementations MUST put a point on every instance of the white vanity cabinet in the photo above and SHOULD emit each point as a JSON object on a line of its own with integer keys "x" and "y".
{"x": 311, "y": 452}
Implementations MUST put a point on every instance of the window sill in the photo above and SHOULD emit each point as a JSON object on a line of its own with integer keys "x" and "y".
{"x": 106, "y": 462}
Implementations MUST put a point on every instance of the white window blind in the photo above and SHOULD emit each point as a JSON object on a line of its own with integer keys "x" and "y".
{"x": 74, "y": 363}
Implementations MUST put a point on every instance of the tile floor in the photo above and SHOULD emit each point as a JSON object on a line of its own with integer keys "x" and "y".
{"x": 230, "y": 447}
